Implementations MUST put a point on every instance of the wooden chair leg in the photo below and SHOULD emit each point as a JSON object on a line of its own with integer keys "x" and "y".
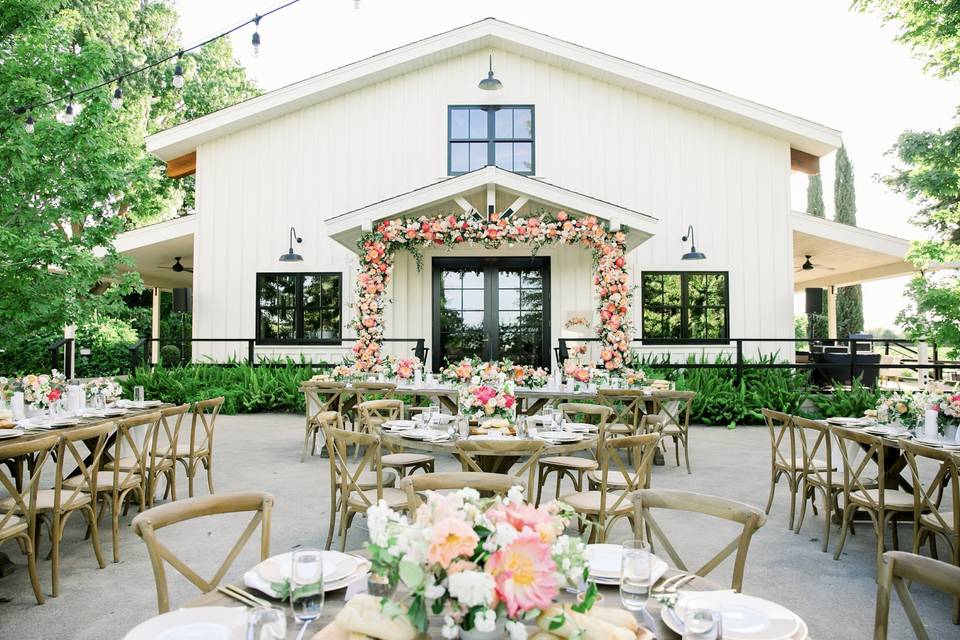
{"x": 115, "y": 528}
{"x": 32, "y": 568}
{"x": 827, "y": 513}
{"x": 94, "y": 535}
{"x": 306, "y": 444}
{"x": 56, "y": 533}
{"x": 774, "y": 477}
{"x": 208, "y": 463}
{"x": 539, "y": 484}
{"x": 792, "y": 485}
{"x": 686, "y": 452}
{"x": 803, "y": 506}
{"x": 848, "y": 511}
{"x": 191, "y": 471}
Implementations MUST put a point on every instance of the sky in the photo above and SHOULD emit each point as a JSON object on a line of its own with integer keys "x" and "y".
{"x": 815, "y": 59}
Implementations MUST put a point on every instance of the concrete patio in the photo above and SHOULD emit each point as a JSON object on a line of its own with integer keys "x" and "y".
{"x": 836, "y": 599}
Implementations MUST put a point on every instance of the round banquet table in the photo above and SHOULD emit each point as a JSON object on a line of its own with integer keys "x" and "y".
{"x": 335, "y": 602}
{"x": 494, "y": 462}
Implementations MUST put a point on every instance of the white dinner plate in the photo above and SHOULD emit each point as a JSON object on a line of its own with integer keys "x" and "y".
{"x": 336, "y": 566}
{"x": 559, "y": 437}
{"x": 195, "y": 623}
{"x": 937, "y": 441}
{"x": 115, "y": 411}
{"x": 399, "y": 425}
{"x": 579, "y": 427}
{"x": 425, "y": 434}
{"x": 604, "y": 561}
{"x": 493, "y": 436}
{"x": 744, "y": 617}
{"x": 439, "y": 418}
{"x": 890, "y": 430}
{"x": 848, "y": 422}
{"x": 10, "y": 433}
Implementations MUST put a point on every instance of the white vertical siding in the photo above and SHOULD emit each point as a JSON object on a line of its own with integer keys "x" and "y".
{"x": 677, "y": 165}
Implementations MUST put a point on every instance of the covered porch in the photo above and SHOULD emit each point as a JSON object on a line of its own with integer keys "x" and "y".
{"x": 475, "y": 300}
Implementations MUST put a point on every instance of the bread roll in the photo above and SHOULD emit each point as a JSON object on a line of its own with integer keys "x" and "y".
{"x": 362, "y": 615}
{"x": 592, "y": 628}
{"x": 619, "y": 617}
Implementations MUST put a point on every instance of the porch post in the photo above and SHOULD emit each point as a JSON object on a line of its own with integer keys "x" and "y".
{"x": 70, "y": 350}
{"x": 155, "y": 327}
{"x": 832, "y": 313}
{"x": 923, "y": 357}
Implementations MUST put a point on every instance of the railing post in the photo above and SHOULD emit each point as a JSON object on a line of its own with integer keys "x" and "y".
{"x": 739, "y": 379}
{"x": 937, "y": 371}
{"x": 68, "y": 358}
{"x": 250, "y": 351}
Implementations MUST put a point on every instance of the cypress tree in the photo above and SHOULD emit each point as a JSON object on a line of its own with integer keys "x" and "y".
{"x": 815, "y": 196}
{"x": 849, "y": 299}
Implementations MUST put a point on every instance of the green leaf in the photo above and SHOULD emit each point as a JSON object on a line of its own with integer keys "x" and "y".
{"x": 411, "y": 573}
{"x": 557, "y": 621}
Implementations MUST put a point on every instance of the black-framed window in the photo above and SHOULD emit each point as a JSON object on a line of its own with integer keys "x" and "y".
{"x": 686, "y": 306}
{"x": 479, "y": 136}
{"x": 299, "y": 308}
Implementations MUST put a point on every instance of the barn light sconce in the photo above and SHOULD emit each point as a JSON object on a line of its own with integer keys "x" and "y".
{"x": 693, "y": 254}
{"x": 290, "y": 256}
{"x": 490, "y": 83}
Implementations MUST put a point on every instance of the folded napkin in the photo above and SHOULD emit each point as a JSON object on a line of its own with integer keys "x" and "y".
{"x": 363, "y": 615}
{"x": 599, "y": 623}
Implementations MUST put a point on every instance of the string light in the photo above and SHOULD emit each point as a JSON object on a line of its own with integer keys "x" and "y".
{"x": 256, "y": 36}
{"x": 68, "y": 116}
{"x": 178, "y": 73}
{"x": 69, "y": 113}
{"x": 117, "y": 101}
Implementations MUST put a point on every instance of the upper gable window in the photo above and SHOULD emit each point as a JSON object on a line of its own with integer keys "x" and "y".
{"x": 493, "y": 135}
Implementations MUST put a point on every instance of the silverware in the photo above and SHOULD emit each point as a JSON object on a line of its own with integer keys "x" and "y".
{"x": 239, "y": 594}
{"x": 670, "y": 584}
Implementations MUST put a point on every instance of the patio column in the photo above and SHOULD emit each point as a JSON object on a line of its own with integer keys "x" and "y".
{"x": 70, "y": 331}
{"x": 832, "y": 313}
{"x": 155, "y": 327}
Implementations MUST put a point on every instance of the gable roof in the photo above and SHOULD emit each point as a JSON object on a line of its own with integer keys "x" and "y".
{"x": 346, "y": 228}
{"x": 802, "y": 134}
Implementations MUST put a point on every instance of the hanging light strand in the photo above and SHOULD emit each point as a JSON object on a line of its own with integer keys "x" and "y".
{"x": 69, "y": 97}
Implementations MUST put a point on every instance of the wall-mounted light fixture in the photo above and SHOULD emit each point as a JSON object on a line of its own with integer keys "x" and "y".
{"x": 693, "y": 254}
{"x": 290, "y": 256}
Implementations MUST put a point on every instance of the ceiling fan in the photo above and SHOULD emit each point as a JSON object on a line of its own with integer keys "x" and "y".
{"x": 177, "y": 267}
{"x": 810, "y": 266}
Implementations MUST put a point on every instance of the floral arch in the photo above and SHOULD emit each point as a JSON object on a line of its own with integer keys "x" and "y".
{"x": 379, "y": 246}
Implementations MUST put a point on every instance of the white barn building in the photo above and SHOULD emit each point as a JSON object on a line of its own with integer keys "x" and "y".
{"x": 409, "y": 132}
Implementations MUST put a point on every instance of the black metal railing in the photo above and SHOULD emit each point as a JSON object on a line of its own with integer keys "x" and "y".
{"x": 845, "y": 366}
{"x": 140, "y": 352}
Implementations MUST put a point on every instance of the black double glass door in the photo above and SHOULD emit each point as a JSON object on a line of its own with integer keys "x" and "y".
{"x": 491, "y": 308}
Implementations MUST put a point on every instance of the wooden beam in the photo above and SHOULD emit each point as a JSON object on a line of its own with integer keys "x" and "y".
{"x": 804, "y": 162}
{"x": 183, "y": 166}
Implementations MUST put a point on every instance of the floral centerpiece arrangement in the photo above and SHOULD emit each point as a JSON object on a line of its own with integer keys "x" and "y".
{"x": 459, "y": 372}
{"x": 949, "y": 411}
{"x": 478, "y": 562}
{"x": 403, "y": 368}
{"x": 109, "y": 388}
{"x": 634, "y": 378}
{"x": 906, "y": 408}
{"x": 529, "y": 377}
{"x": 485, "y": 401}
{"x": 577, "y": 371}
{"x": 40, "y": 391}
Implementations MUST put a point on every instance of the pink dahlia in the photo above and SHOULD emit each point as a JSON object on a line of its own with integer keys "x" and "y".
{"x": 524, "y": 573}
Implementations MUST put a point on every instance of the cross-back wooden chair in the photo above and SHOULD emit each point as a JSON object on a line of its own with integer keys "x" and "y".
{"x": 80, "y": 454}
{"x": 373, "y": 413}
{"x": 355, "y": 495}
{"x": 488, "y": 484}
{"x": 147, "y": 524}
{"x": 818, "y": 472}
{"x": 574, "y": 467}
{"x": 608, "y": 498}
{"x": 160, "y": 445}
{"x": 897, "y": 570}
{"x": 119, "y": 483}
{"x": 629, "y": 407}
{"x": 366, "y": 480}
{"x": 17, "y": 512}
{"x": 883, "y": 505}
{"x": 930, "y": 518}
{"x": 674, "y": 407}
{"x": 784, "y": 458}
{"x": 199, "y": 451}
{"x": 651, "y": 424}
{"x": 749, "y": 517}
{"x": 321, "y": 398}
{"x": 468, "y": 450}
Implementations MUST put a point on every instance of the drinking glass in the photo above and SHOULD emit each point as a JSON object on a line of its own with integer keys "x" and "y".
{"x": 883, "y": 415}
{"x": 635, "y": 575}
{"x": 306, "y": 585}
{"x": 521, "y": 426}
{"x": 463, "y": 426}
{"x": 549, "y": 414}
{"x": 702, "y": 620}
{"x": 138, "y": 395}
{"x": 99, "y": 402}
{"x": 266, "y": 623}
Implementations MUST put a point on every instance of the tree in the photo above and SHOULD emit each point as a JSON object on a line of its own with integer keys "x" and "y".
{"x": 928, "y": 172}
{"x": 67, "y": 191}
{"x": 815, "y": 205}
{"x": 849, "y": 299}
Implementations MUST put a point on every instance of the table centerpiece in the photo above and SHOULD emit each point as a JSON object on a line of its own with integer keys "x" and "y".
{"x": 487, "y": 565}
{"x": 39, "y": 391}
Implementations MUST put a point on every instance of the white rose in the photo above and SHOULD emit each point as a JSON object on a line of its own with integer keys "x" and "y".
{"x": 471, "y": 588}
{"x": 517, "y": 630}
{"x": 450, "y": 629}
{"x": 485, "y": 621}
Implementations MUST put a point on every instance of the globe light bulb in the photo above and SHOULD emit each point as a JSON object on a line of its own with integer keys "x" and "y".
{"x": 256, "y": 43}
{"x": 68, "y": 115}
{"x": 28, "y": 125}
{"x": 117, "y": 101}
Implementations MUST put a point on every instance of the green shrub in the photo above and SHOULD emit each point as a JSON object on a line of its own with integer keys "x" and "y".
{"x": 170, "y": 354}
{"x": 245, "y": 389}
{"x": 841, "y": 402}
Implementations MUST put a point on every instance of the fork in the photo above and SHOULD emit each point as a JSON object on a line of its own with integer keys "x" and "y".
{"x": 673, "y": 583}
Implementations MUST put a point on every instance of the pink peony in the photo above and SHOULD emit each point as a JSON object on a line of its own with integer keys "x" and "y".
{"x": 524, "y": 573}
{"x": 452, "y": 538}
